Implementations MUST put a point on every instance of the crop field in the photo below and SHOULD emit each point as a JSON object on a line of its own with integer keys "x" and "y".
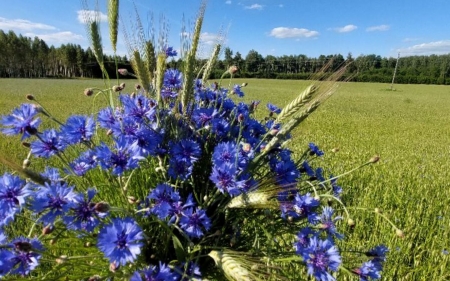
{"x": 408, "y": 128}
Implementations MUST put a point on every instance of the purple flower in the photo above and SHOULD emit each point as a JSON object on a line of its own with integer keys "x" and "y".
{"x": 120, "y": 240}
{"x": 194, "y": 223}
{"x": 155, "y": 273}
{"x": 273, "y": 109}
{"x": 139, "y": 108}
{"x": 224, "y": 177}
{"x": 53, "y": 200}
{"x": 49, "y": 143}
{"x": 225, "y": 153}
{"x": 163, "y": 196}
{"x": 321, "y": 256}
{"x": 327, "y": 222}
{"x": 314, "y": 150}
{"x": 170, "y": 52}
{"x": 21, "y": 121}
{"x": 186, "y": 151}
{"x": 121, "y": 159}
{"x": 78, "y": 129}
{"x": 173, "y": 79}
{"x": 13, "y": 192}
{"x": 368, "y": 271}
{"x": 20, "y": 256}
{"x": 303, "y": 240}
{"x": 303, "y": 206}
{"x": 85, "y": 214}
{"x": 237, "y": 91}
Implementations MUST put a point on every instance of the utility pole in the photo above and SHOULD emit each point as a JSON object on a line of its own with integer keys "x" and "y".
{"x": 395, "y": 72}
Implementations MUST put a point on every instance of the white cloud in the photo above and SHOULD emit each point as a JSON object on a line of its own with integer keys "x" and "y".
{"x": 85, "y": 15}
{"x": 411, "y": 39}
{"x": 437, "y": 48}
{"x": 344, "y": 29}
{"x": 286, "y": 32}
{"x": 210, "y": 38}
{"x": 24, "y": 25}
{"x": 228, "y": 2}
{"x": 254, "y": 7}
{"x": 57, "y": 38}
{"x": 382, "y": 27}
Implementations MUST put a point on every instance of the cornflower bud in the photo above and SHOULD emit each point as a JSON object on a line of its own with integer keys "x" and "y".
{"x": 109, "y": 132}
{"x": 244, "y": 84}
{"x": 374, "y": 159}
{"x": 132, "y": 199}
{"x": 137, "y": 86}
{"x": 240, "y": 117}
{"x": 116, "y": 88}
{"x": 378, "y": 211}
{"x": 47, "y": 230}
{"x": 88, "y": 92}
{"x": 101, "y": 207}
{"x": 94, "y": 278}
{"x": 334, "y": 150}
{"x": 113, "y": 267}
{"x": 87, "y": 244}
{"x": 351, "y": 223}
{"x": 399, "y": 233}
{"x": 61, "y": 259}
{"x": 26, "y": 163}
{"x": 133, "y": 95}
{"x": 26, "y": 144}
{"x": 122, "y": 85}
{"x": 30, "y": 97}
{"x": 233, "y": 69}
{"x": 123, "y": 71}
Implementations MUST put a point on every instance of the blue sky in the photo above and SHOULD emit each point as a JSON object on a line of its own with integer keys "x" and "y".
{"x": 271, "y": 27}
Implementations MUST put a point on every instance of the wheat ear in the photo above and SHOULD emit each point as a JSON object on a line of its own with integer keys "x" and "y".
{"x": 232, "y": 269}
{"x": 140, "y": 70}
{"x": 113, "y": 18}
{"x": 296, "y": 104}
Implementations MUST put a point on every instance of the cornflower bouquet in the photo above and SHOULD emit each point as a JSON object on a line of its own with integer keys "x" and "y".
{"x": 178, "y": 180}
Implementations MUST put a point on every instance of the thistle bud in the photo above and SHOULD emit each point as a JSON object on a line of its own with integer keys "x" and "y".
{"x": 123, "y": 71}
{"x": 88, "y": 92}
{"x": 30, "y": 97}
{"x": 374, "y": 159}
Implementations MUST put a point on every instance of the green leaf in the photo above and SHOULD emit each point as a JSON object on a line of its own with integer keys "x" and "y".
{"x": 179, "y": 250}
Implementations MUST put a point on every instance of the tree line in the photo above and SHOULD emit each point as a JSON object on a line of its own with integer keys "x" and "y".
{"x": 26, "y": 57}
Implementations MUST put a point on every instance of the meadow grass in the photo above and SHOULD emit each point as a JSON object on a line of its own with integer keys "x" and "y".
{"x": 407, "y": 127}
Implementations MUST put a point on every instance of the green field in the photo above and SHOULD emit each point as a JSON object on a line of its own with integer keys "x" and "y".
{"x": 408, "y": 128}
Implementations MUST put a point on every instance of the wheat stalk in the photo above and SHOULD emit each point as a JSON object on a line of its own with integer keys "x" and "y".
{"x": 160, "y": 70}
{"x": 141, "y": 71}
{"x": 212, "y": 60}
{"x": 256, "y": 200}
{"x": 232, "y": 269}
{"x": 297, "y": 103}
{"x": 113, "y": 18}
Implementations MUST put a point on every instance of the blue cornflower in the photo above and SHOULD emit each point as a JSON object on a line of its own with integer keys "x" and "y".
{"x": 178, "y": 207}
{"x": 224, "y": 177}
{"x": 120, "y": 240}
{"x": 327, "y": 222}
{"x": 186, "y": 151}
{"x": 85, "y": 215}
{"x": 320, "y": 257}
{"x": 203, "y": 116}
{"x": 49, "y": 143}
{"x": 53, "y": 200}
{"x": 314, "y": 150}
{"x": 170, "y": 52}
{"x": 378, "y": 253}
{"x": 303, "y": 206}
{"x": 21, "y": 121}
{"x": 20, "y": 256}
{"x": 139, "y": 107}
{"x": 83, "y": 163}
{"x": 273, "y": 109}
{"x": 368, "y": 271}
{"x": 13, "y": 192}
{"x": 145, "y": 141}
{"x": 173, "y": 79}
{"x": 337, "y": 190}
{"x": 191, "y": 272}
{"x": 106, "y": 118}
{"x": 220, "y": 127}
{"x": 121, "y": 159}
{"x": 179, "y": 169}
{"x": 225, "y": 153}
{"x": 286, "y": 171}
{"x": 194, "y": 222}
{"x": 78, "y": 128}
{"x": 52, "y": 174}
{"x": 237, "y": 91}
{"x": 306, "y": 168}
{"x": 155, "y": 273}
{"x": 163, "y": 196}
{"x": 303, "y": 240}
